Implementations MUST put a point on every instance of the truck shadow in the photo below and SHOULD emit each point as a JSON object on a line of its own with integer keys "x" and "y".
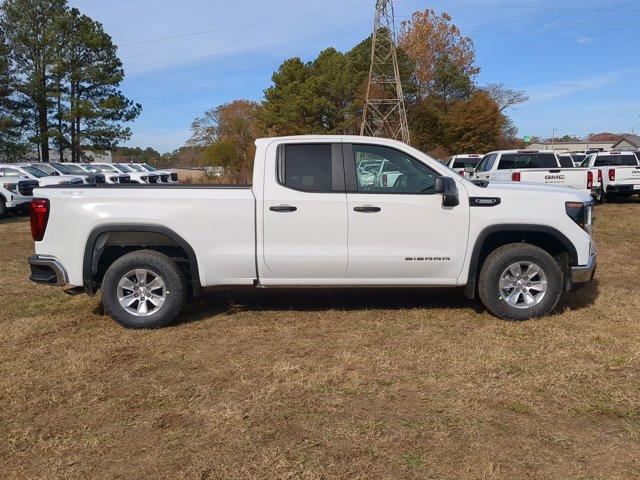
{"x": 13, "y": 218}
{"x": 233, "y": 300}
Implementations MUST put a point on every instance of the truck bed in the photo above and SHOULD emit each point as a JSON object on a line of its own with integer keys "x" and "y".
{"x": 218, "y": 221}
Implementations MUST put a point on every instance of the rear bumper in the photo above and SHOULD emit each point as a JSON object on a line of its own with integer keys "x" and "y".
{"x": 47, "y": 270}
{"x": 584, "y": 274}
{"x": 622, "y": 189}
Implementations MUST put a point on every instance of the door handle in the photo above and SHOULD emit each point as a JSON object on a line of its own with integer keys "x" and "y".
{"x": 367, "y": 209}
{"x": 283, "y": 208}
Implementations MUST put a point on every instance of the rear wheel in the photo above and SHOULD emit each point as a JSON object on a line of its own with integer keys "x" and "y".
{"x": 144, "y": 289}
{"x": 520, "y": 281}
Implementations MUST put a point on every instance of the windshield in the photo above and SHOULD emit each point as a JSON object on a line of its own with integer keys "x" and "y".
{"x": 70, "y": 169}
{"x": 615, "y": 160}
{"x": 48, "y": 169}
{"x": 123, "y": 168}
{"x": 34, "y": 171}
{"x": 149, "y": 167}
{"x": 106, "y": 168}
{"x": 136, "y": 168}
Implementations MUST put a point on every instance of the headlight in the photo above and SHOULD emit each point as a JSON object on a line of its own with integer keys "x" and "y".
{"x": 582, "y": 214}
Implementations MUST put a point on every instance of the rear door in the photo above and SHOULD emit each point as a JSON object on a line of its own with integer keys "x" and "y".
{"x": 399, "y": 231}
{"x": 305, "y": 216}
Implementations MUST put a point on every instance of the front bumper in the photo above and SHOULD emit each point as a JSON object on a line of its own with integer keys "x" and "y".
{"x": 47, "y": 270}
{"x": 585, "y": 274}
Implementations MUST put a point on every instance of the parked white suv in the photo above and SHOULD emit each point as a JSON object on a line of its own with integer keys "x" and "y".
{"x": 164, "y": 176}
{"x": 134, "y": 176}
{"x": 309, "y": 220}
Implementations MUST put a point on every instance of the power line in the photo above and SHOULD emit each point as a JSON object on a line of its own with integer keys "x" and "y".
{"x": 265, "y": 22}
{"x": 246, "y": 50}
{"x": 160, "y": 7}
{"x": 530, "y": 7}
{"x": 246, "y": 38}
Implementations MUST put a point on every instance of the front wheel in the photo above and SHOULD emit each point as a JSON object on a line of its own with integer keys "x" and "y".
{"x": 520, "y": 281}
{"x": 144, "y": 289}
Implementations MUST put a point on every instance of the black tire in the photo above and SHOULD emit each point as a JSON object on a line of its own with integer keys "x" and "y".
{"x": 499, "y": 261}
{"x": 3, "y": 208}
{"x": 160, "y": 265}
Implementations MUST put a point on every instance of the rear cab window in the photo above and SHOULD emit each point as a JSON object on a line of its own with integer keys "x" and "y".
{"x": 511, "y": 161}
{"x": 466, "y": 162}
{"x": 615, "y": 160}
{"x": 565, "y": 161}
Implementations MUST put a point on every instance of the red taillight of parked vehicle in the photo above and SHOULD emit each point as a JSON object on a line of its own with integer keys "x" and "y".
{"x": 384, "y": 180}
{"x": 589, "y": 180}
{"x": 612, "y": 175}
{"x": 515, "y": 177}
{"x": 39, "y": 217}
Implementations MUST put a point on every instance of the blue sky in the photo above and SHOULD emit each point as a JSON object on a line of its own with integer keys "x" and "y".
{"x": 577, "y": 60}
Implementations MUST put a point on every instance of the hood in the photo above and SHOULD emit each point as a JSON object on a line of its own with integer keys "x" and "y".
{"x": 533, "y": 190}
{"x": 59, "y": 180}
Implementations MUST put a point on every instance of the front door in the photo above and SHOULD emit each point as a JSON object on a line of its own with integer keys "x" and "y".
{"x": 399, "y": 231}
{"x": 305, "y": 216}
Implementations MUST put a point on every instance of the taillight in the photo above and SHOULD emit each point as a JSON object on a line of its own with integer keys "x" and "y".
{"x": 384, "y": 180}
{"x": 589, "y": 180}
{"x": 612, "y": 175}
{"x": 39, "y": 217}
{"x": 515, "y": 177}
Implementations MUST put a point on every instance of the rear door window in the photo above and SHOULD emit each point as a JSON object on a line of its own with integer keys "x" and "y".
{"x": 511, "y": 161}
{"x": 307, "y": 167}
{"x": 565, "y": 161}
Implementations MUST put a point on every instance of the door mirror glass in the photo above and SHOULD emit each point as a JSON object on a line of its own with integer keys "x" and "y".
{"x": 447, "y": 187}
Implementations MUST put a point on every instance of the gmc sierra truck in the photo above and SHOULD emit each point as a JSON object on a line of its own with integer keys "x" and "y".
{"x": 313, "y": 218}
{"x": 536, "y": 166}
{"x": 619, "y": 172}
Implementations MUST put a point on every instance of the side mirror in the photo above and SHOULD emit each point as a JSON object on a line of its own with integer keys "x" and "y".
{"x": 447, "y": 187}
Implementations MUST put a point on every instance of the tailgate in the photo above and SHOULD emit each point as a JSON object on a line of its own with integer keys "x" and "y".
{"x": 628, "y": 175}
{"x": 566, "y": 177}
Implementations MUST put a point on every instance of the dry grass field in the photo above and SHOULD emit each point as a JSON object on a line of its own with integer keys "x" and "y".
{"x": 324, "y": 384}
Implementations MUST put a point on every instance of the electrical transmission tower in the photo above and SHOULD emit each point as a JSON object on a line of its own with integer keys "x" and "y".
{"x": 384, "y": 113}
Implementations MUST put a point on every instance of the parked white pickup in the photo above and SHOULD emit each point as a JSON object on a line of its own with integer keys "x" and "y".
{"x": 618, "y": 170}
{"x": 312, "y": 219}
{"x": 535, "y": 166}
{"x": 465, "y": 164}
{"x": 15, "y": 192}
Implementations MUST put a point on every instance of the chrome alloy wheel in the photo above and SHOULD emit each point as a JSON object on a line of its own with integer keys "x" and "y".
{"x": 523, "y": 285}
{"x": 141, "y": 292}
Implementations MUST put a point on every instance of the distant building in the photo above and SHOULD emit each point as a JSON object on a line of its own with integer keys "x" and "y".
{"x": 627, "y": 142}
{"x": 563, "y": 147}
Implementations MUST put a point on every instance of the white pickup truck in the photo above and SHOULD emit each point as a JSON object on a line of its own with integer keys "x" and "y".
{"x": 313, "y": 219}
{"x": 15, "y": 193}
{"x": 619, "y": 172}
{"x": 465, "y": 164}
{"x": 536, "y": 166}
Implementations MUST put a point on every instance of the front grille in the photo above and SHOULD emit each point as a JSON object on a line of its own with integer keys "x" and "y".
{"x": 25, "y": 187}
{"x": 165, "y": 177}
{"x": 125, "y": 179}
{"x": 174, "y": 177}
{"x": 100, "y": 178}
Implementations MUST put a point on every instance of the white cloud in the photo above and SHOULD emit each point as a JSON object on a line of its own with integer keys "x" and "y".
{"x": 564, "y": 88}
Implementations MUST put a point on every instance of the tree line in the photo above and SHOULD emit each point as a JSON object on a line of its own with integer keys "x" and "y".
{"x": 448, "y": 112}
{"x": 59, "y": 82}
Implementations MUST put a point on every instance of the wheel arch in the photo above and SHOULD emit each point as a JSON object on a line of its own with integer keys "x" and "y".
{"x": 109, "y": 242}
{"x": 548, "y": 238}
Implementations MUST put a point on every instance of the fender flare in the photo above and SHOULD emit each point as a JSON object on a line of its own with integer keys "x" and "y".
{"x": 93, "y": 252}
{"x": 470, "y": 287}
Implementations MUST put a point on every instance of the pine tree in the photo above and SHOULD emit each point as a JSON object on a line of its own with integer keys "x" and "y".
{"x": 32, "y": 31}
{"x": 12, "y": 114}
